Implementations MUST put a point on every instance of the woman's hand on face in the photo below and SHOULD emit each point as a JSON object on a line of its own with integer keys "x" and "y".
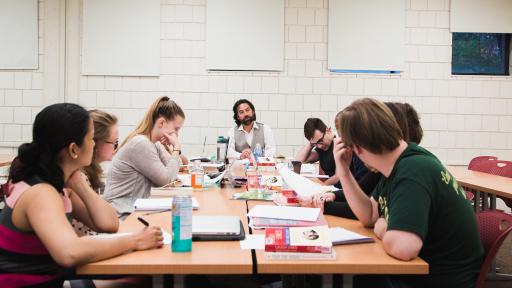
{"x": 149, "y": 238}
{"x": 77, "y": 182}
{"x": 170, "y": 139}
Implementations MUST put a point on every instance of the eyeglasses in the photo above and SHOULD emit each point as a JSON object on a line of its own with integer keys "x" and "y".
{"x": 116, "y": 144}
{"x": 319, "y": 142}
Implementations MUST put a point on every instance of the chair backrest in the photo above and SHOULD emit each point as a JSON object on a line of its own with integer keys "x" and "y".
{"x": 493, "y": 227}
{"x": 495, "y": 167}
{"x": 480, "y": 159}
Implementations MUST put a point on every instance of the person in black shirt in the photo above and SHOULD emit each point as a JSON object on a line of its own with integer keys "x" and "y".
{"x": 319, "y": 148}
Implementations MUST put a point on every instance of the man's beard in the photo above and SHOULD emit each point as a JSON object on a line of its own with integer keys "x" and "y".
{"x": 247, "y": 120}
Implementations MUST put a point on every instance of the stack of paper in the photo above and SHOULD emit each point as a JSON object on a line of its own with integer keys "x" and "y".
{"x": 285, "y": 212}
{"x": 343, "y": 236}
{"x": 158, "y": 204}
{"x": 263, "y": 216}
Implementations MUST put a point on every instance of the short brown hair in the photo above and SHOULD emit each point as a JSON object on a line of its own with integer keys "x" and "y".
{"x": 370, "y": 124}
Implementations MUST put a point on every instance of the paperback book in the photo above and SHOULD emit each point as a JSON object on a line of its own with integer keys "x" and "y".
{"x": 314, "y": 239}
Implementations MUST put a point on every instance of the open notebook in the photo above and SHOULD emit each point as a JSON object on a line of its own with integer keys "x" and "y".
{"x": 158, "y": 204}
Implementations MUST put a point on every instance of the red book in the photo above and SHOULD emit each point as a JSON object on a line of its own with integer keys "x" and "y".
{"x": 314, "y": 239}
{"x": 286, "y": 198}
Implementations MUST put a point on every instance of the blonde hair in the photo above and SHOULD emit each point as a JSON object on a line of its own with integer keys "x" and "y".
{"x": 102, "y": 121}
{"x": 370, "y": 124}
{"x": 161, "y": 107}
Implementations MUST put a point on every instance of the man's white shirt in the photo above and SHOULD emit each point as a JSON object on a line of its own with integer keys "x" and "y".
{"x": 270, "y": 144}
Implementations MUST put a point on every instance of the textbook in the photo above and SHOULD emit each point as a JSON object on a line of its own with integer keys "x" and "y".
{"x": 266, "y": 164}
{"x": 314, "y": 239}
{"x": 158, "y": 204}
{"x": 270, "y": 182}
{"x": 300, "y": 256}
{"x": 286, "y": 198}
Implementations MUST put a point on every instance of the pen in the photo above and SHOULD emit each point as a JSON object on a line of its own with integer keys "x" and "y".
{"x": 155, "y": 212}
{"x": 141, "y": 220}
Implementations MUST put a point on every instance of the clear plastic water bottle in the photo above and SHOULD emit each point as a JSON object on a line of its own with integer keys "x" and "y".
{"x": 197, "y": 176}
{"x": 221, "y": 149}
{"x": 182, "y": 224}
{"x": 258, "y": 152}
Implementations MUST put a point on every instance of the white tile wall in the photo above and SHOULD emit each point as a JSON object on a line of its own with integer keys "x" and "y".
{"x": 463, "y": 116}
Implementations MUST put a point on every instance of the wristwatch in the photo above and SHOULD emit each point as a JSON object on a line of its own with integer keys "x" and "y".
{"x": 179, "y": 151}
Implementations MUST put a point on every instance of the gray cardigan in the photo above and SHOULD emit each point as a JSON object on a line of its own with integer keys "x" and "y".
{"x": 137, "y": 166}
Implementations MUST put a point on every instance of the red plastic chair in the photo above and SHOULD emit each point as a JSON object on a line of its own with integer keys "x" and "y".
{"x": 493, "y": 227}
{"x": 475, "y": 161}
{"x": 480, "y": 159}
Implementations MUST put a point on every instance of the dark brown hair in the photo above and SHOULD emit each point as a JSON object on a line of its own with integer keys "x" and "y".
{"x": 311, "y": 125}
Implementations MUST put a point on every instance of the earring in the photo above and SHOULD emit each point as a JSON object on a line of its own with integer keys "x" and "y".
{"x": 75, "y": 156}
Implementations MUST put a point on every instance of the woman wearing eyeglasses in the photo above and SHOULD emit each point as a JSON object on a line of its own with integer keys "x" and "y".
{"x": 106, "y": 133}
{"x": 105, "y": 139}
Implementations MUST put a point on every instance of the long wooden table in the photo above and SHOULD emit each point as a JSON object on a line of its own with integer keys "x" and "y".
{"x": 226, "y": 257}
{"x": 216, "y": 257}
{"x": 481, "y": 182}
{"x": 363, "y": 258}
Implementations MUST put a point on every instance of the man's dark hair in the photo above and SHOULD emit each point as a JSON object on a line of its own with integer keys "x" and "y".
{"x": 235, "y": 110}
{"x": 311, "y": 125}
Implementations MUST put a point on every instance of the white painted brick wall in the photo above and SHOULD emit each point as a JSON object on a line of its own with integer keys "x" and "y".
{"x": 463, "y": 116}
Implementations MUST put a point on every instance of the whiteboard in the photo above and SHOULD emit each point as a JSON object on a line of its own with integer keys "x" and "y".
{"x": 366, "y": 35}
{"x": 476, "y": 16}
{"x": 18, "y": 34}
{"x": 121, "y": 37}
{"x": 245, "y": 35}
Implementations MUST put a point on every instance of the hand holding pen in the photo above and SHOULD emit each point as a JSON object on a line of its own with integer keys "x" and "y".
{"x": 149, "y": 237}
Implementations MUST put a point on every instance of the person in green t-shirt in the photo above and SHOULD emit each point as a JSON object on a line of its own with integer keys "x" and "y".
{"x": 417, "y": 209}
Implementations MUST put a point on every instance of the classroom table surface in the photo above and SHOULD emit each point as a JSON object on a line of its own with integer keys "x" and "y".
{"x": 226, "y": 257}
{"x": 6, "y": 159}
{"x": 481, "y": 181}
{"x": 361, "y": 258}
{"x": 207, "y": 257}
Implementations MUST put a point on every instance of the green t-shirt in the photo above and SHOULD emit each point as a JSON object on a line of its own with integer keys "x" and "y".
{"x": 420, "y": 196}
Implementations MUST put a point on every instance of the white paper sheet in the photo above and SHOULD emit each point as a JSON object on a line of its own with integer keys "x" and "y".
{"x": 340, "y": 235}
{"x": 167, "y": 237}
{"x": 285, "y": 212}
{"x": 158, "y": 204}
{"x": 315, "y": 176}
{"x": 256, "y": 241}
{"x": 308, "y": 168}
{"x": 300, "y": 184}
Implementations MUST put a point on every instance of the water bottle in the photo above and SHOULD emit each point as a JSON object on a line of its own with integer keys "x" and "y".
{"x": 197, "y": 176}
{"x": 221, "y": 149}
{"x": 258, "y": 152}
{"x": 182, "y": 224}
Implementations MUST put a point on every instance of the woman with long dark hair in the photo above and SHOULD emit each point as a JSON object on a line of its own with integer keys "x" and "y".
{"x": 46, "y": 188}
